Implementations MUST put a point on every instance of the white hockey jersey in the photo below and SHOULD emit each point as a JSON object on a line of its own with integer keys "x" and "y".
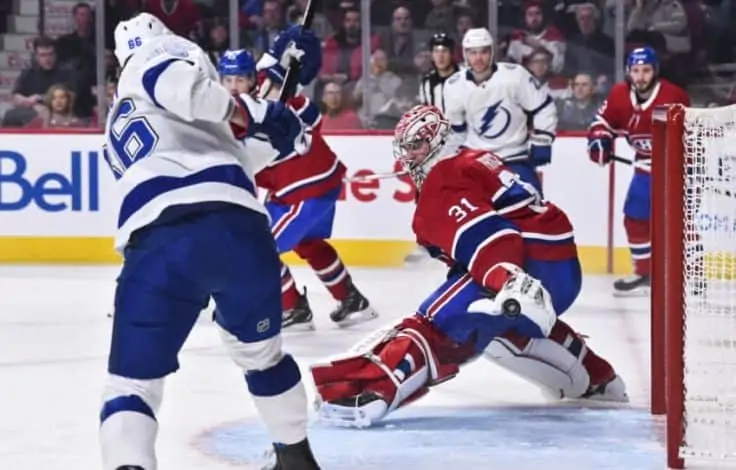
{"x": 499, "y": 114}
{"x": 167, "y": 137}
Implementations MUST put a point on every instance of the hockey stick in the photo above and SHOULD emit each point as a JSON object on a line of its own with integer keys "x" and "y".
{"x": 375, "y": 176}
{"x": 291, "y": 80}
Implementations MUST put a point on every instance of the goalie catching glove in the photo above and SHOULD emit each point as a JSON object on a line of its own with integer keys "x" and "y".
{"x": 524, "y": 299}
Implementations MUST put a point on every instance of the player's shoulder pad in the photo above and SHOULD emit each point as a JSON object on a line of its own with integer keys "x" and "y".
{"x": 173, "y": 47}
{"x": 455, "y": 77}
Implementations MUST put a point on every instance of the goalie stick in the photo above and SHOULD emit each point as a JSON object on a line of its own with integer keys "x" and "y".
{"x": 291, "y": 80}
{"x": 374, "y": 176}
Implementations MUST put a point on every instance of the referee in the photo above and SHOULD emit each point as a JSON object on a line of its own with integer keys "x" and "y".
{"x": 432, "y": 85}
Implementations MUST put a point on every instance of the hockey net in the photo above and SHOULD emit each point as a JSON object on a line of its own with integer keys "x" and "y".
{"x": 694, "y": 282}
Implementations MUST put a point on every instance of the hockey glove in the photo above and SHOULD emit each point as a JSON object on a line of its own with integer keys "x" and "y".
{"x": 524, "y": 304}
{"x": 540, "y": 148}
{"x": 284, "y": 129}
{"x": 600, "y": 147}
{"x": 297, "y": 43}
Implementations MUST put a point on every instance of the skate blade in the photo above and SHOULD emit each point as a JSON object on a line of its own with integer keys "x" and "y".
{"x": 299, "y": 327}
{"x": 343, "y": 417}
{"x": 358, "y": 317}
{"x": 635, "y": 293}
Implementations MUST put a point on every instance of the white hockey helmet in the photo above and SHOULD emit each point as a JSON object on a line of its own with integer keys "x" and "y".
{"x": 476, "y": 38}
{"x": 131, "y": 34}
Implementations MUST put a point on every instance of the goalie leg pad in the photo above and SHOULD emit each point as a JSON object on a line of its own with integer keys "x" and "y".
{"x": 363, "y": 387}
{"x": 562, "y": 365}
{"x": 542, "y": 362}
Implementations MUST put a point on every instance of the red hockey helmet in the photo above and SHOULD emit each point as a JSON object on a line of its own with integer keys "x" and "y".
{"x": 418, "y": 138}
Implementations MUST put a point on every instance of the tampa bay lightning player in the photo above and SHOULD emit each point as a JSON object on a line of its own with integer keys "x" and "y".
{"x": 190, "y": 227}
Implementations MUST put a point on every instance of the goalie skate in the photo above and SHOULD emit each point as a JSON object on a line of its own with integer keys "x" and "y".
{"x": 357, "y": 412}
{"x": 613, "y": 390}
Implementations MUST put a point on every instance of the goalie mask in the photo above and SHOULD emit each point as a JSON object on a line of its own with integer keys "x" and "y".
{"x": 418, "y": 138}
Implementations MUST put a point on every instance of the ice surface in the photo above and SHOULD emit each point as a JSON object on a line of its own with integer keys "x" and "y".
{"x": 53, "y": 343}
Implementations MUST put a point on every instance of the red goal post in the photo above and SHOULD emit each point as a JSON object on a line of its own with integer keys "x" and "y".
{"x": 693, "y": 301}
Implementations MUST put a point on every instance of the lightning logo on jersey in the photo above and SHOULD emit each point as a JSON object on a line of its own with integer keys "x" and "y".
{"x": 489, "y": 123}
{"x": 495, "y": 115}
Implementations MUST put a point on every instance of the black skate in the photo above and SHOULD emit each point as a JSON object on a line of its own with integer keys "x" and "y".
{"x": 294, "y": 457}
{"x": 299, "y": 317}
{"x": 634, "y": 286}
{"x": 130, "y": 467}
{"x": 354, "y": 309}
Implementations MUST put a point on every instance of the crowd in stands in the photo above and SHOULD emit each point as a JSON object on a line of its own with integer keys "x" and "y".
{"x": 568, "y": 44}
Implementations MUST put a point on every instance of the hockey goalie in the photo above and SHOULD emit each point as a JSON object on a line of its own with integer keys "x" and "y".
{"x": 513, "y": 271}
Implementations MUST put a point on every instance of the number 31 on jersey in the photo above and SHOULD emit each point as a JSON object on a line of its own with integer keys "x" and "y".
{"x": 461, "y": 210}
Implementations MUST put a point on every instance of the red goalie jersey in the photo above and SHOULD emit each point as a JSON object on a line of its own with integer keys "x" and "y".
{"x": 480, "y": 214}
{"x": 290, "y": 179}
{"x": 623, "y": 114}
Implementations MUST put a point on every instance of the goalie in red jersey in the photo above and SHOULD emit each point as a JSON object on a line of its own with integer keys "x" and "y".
{"x": 514, "y": 271}
{"x": 628, "y": 111}
{"x": 302, "y": 190}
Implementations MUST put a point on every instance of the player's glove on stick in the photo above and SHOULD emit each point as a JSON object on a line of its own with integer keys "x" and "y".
{"x": 540, "y": 148}
{"x": 523, "y": 303}
{"x": 276, "y": 122}
{"x": 600, "y": 147}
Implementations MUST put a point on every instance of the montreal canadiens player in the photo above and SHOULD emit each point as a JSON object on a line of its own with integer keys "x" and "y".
{"x": 190, "y": 228}
{"x": 500, "y": 107}
{"x": 514, "y": 271}
{"x": 628, "y": 111}
{"x": 302, "y": 190}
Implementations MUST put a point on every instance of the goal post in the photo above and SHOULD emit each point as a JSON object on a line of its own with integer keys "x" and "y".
{"x": 693, "y": 300}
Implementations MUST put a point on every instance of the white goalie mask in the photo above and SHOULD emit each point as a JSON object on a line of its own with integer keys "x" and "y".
{"x": 133, "y": 33}
{"x": 418, "y": 138}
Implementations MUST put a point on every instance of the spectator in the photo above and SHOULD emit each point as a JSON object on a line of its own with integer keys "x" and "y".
{"x": 665, "y": 17}
{"x": 441, "y": 18}
{"x": 589, "y": 49}
{"x": 539, "y": 64}
{"x": 335, "y": 115}
{"x": 78, "y": 46}
{"x": 342, "y": 62}
{"x": 537, "y": 35}
{"x": 57, "y": 111}
{"x": 402, "y": 43}
{"x": 402, "y": 101}
{"x": 379, "y": 85}
{"x": 217, "y": 41}
{"x": 181, "y": 16}
{"x": 34, "y": 82}
{"x": 463, "y": 23}
{"x": 76, "y": 51}
{"x": 578, "y": 111}
{"x": 270, "y": 25}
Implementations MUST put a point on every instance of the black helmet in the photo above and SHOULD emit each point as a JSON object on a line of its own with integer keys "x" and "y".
{"x": 441, "y": 40}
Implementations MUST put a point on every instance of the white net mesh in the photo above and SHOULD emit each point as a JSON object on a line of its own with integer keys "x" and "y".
{"x": 710, "y": 284}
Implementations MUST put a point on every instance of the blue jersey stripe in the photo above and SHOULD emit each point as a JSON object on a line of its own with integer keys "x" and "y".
{"x": 151, "y": 76}
{"x": 142, "y": 194}
{"x": 474, "y": 233}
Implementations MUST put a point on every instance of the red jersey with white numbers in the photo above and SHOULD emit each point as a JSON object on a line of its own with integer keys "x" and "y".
{"x": 624, "y": 114}
{"x": 479, "y": 214}
{"x": 293, "y": 178}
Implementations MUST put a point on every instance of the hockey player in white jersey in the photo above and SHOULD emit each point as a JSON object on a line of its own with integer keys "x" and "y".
{"x": 500, "y": 107}
{"x": 190, "y": 227}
